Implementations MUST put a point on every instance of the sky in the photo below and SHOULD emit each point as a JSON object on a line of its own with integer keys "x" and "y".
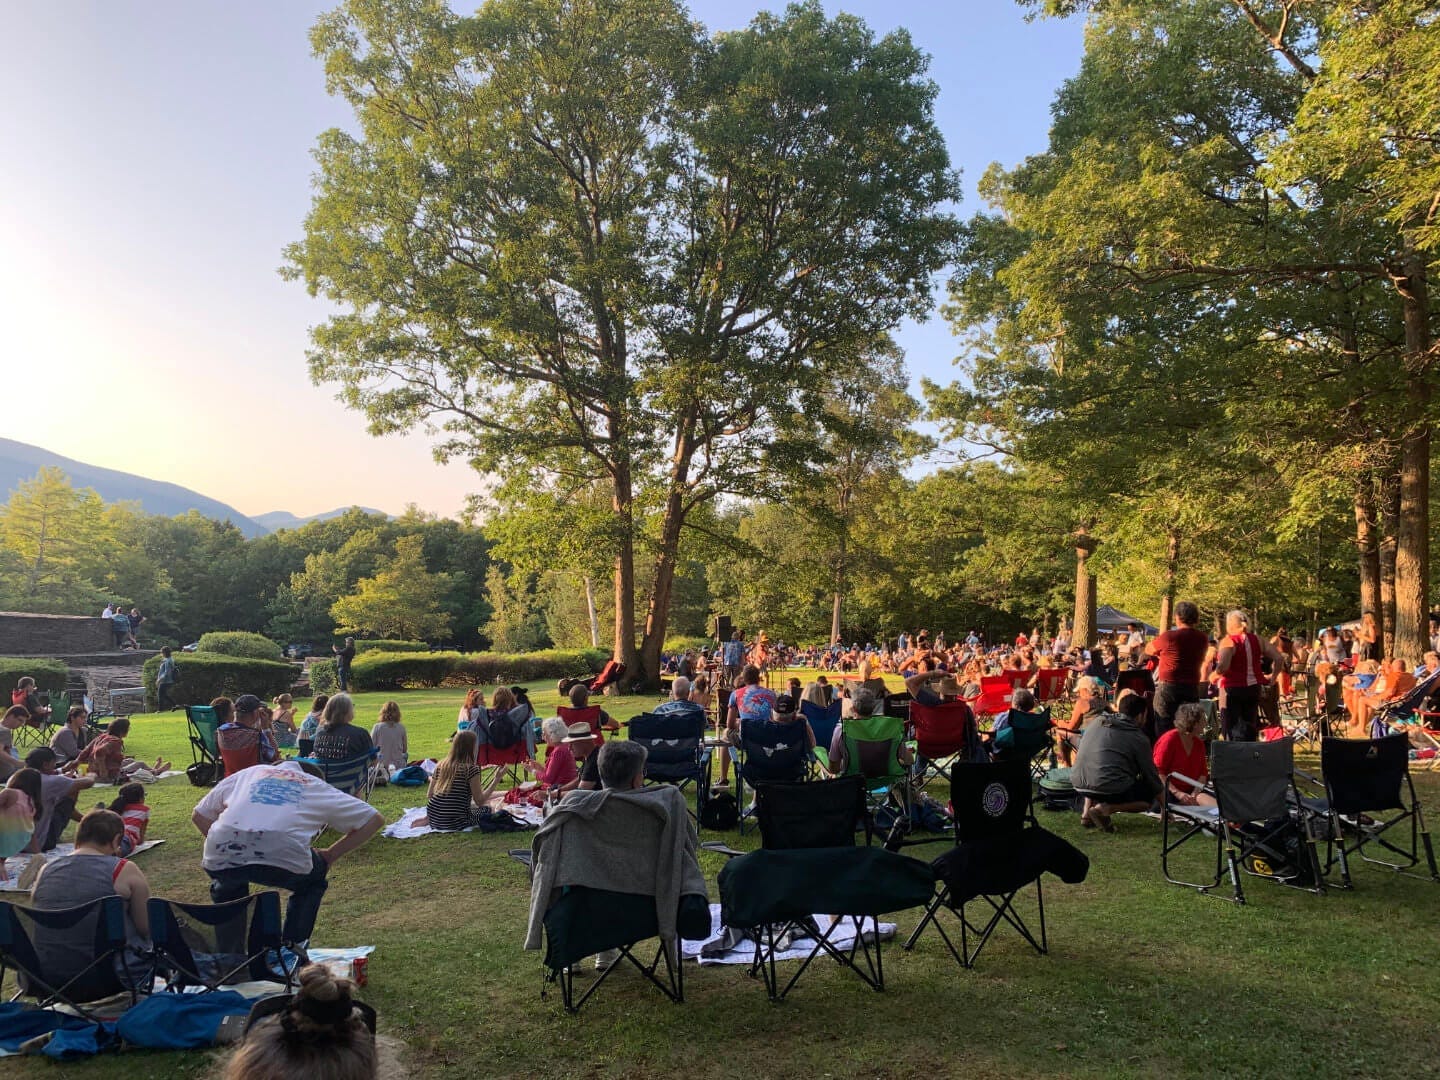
{"x": 154, "y": 161}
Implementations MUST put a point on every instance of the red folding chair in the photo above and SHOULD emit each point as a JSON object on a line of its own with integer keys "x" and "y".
{"x": 1050, "y": 684}
{"x": 588, "y": 715}
{"x": 943, "y": 735}
{"x": 994, "y": 696}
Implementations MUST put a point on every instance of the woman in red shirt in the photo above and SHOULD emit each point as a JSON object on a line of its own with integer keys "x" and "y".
{"x": 1238, "y": 665}
{"x": 1181, "y": 655}
{"x": 1181, "y": 750}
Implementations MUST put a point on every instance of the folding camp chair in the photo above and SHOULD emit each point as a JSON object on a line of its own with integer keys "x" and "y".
{"x": 1364, "y": 778}
{"x": 1050, "y": 684}
{"x": 872, "y": 752}
{"x": 68, "y": 957}
{"x": 207, "y": 946}
{"x": 994, "y": 696}
{"x": 823, "y": 721}
{"x": 943, "y": 734}
{"x": 37, "y": 731}
{"x": 1026, "y": 737}
{"x": 770, "y": 753}
{"x": 809, "y": 863}
{"x": 676, "y": 750}
{"x": 203, "y": 723}
{"x": 588, "y": 715}
{"x": 999, "y": 850}
{"x": 897, "y": 705}
{"x": 354, "y": 776}
{"x": 1261, "y": 826}
{"x": 510, "y": 759}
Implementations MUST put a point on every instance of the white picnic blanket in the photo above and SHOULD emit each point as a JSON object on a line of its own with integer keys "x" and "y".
{"x": 744, "y": 953}
{"x": 406, "y": 829}
{"x": 16, "y": 864}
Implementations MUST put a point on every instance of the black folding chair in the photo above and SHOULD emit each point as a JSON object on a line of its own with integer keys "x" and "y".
{"x": 1365, "y": 779}
{"x": 215, "y": 945}
{"x": 999, "y": 850}
{"x": 770, "y": 753}
{"x": 809, "y": 863}
{"x": 1261, "y": 825}
{"x": 676, "y": 752}
{"x": 71, "y": 956}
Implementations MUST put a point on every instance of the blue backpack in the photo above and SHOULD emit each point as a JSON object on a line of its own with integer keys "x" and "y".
{"x": 410, "y": 776}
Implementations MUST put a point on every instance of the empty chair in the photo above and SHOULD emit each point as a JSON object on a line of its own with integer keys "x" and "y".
{"x": 207, "y": 946}
{"x": 68, "y": 956}
{"x": 207, "y": 766}
{"x": 1372, "y": 801}
{"x": 770, "y": 753}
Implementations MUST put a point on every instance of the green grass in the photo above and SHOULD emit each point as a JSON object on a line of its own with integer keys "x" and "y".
{"x": 1143, "y": 979}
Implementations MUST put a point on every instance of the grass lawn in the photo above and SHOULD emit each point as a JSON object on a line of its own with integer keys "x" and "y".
{"x": 1143, "y": 979}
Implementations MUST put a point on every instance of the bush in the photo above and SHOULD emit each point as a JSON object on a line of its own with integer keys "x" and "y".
{"x": 395, "y": 671}
{"x": 239, "y": 643}
{"x": 677, "y": 645}
{"x": 205, "y": 676}
{"x": 324, "y": 679}
{"x": 50, "y": 676}
{"x": 384, "y": 645}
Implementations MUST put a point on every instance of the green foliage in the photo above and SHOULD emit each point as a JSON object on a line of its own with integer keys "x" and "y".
{"x": 389, "y": 645}
{"x": 206, "y": 676}
{"x": 516, "y": 623}
{"x": 677, "y": 645}
{"x": 397, "y": 671}
{"x": 51, "y": 676}
{"x": 52, "y": 546}
{"x": 239, "y": 643}
{"x": 324, "y": 677}
{"x": 404, "y": 598}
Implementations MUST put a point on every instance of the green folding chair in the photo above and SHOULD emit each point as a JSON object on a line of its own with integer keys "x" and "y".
{"x": 872, "y": 752}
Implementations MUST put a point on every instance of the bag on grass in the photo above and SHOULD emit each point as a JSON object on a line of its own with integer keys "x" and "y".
{"x": 202, "y": 773}
{"x": 720, "y": 813}
{"x": 409, "y": 776}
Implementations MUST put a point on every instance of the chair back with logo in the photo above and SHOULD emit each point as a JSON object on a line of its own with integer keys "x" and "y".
{"x": 990, "y": 799}
{"x": 772, "y": 752}
{"x": 1253, "y": 780}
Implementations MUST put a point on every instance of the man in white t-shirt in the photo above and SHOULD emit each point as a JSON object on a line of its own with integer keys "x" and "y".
{"x": 258, "y": 825}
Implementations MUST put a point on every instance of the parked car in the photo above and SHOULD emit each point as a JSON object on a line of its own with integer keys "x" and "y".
{"x": 299, "y": 650}
{"x": 194, "y": 646}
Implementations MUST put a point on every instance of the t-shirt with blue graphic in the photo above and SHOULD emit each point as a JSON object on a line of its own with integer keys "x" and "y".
{"x": 753, "y": 702}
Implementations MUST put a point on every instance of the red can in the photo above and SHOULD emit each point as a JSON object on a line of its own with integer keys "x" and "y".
{"x": 357, "y": 969}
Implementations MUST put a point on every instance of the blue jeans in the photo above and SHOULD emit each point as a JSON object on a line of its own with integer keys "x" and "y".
{"x": 306, "y": 892}
{"x": 343, "y": 675}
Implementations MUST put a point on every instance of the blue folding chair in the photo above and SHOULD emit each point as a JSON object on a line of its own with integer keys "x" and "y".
{"x": 208, "y": 946}
{"x": 354, "y": 776}
{"x": 823, "y": 721}
{"x": 71, "y": 956}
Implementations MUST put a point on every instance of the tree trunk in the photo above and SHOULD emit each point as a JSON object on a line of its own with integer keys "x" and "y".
{"x": 1389, "y": 540}
{"x": 590, "y": 610}
{"x": 624, "y": 504}
{"x": 1172, "y": 565}
{"x": 1412, "y": 551}
{"x": 657, "y": 615}
{"x": 1084, "y": 633}
{"x": 1366, "y": 546}
{"x": 839, "y": 591}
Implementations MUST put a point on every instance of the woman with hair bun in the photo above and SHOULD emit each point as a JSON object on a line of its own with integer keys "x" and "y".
{"x": 318, "y": 1033}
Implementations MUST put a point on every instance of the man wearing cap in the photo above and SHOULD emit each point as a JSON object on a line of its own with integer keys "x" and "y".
{"x": 258, "y": 826}
{"x": 247, "y": 733}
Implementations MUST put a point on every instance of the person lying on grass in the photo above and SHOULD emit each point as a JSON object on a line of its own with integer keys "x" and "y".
{"x": 106, "y": 756}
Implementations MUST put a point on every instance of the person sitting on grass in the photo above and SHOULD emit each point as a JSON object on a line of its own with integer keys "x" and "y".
{"x": 319, "y": 1033}
{"x": 73, "y": 736}
{"x": 105, "y": 755}
{"x": 559, "y": 770}
{"x": 282, "y": 722}
{"x": 95, "y": 869}
{"x": 390, "y": 738}
{"x": 259, "y": 825}
{"x": 338, "y": 738}
{"x": 458, "y": 792}
{"x": 129, "y": 803}
{"x": 1114, "y": 767}
{"x": 1180, "y": 752}
{"x": 58, "y": 795}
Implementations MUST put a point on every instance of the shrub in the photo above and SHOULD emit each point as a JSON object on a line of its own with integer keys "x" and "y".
{"x": 385, "y": 645}
{"x": 395, "y": 671}
{"x": 239, "y": 643}
{"x": 677, "y": 645}
{"x": 50, "y": 676}
{"x": 205, "y": 676}
{"x": 324, "y": 679}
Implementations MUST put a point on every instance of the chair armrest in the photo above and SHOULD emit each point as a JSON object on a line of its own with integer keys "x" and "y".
{"x": 719, "y": 848}
{"x": 1195, "y": 784}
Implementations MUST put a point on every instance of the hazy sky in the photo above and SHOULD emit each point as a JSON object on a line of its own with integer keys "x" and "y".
{"x": 155, "y": 160}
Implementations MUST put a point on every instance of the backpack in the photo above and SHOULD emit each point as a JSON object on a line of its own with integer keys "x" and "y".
{"x": 502, "y": 730}
{"x": 202, "y": 773}
{"x": 720, "y": 813}
{"x": 409, "y": 776}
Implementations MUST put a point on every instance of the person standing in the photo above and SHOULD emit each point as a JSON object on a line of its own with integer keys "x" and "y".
{"x": 1181, "y": 653}
{"x": 733, "y": 656}
{"x": 342, "y": 663}
{"x": 1238, "y": 664}
{"x": 165, "y": 680}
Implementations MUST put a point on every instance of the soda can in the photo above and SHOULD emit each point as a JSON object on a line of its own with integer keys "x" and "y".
{"x": 357, "y": 969}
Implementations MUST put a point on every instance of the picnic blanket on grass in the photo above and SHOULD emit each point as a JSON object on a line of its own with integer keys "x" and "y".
{"x": 744, "y": 953}
{"x": 16, "y": 864}
{"x": 529, "y": 817}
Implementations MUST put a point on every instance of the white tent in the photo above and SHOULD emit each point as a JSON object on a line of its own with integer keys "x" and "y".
{"x": 1112, "y": 619}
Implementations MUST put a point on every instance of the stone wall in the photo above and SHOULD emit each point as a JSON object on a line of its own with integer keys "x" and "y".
{"x": 53, "y": 635}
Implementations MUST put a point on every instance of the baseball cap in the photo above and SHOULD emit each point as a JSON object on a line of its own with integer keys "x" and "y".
{"x": 247, "y": 703}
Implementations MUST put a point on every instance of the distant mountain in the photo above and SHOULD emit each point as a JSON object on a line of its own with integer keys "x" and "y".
{"x": 20, "y": 461}
{"x": 276, "y": 520}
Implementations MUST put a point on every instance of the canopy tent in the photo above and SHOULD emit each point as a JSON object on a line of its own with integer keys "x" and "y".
{"x": 1111, "y": 619}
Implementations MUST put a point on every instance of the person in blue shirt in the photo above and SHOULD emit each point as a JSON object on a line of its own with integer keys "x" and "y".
{"x": 733, "y": 658}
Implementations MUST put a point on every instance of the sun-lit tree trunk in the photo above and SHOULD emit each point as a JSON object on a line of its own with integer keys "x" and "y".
{"x": 1412, "y": 550}
{"x": 1084, "y": 633}
{"x": 1389, "y": 507}
{"x": 1172, "y": 567}
{"x": 1366, "y": 543}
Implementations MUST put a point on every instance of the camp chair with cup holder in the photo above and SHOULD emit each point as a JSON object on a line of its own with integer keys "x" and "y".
{"x": 72, "y": 957}
{"x": 510, "y": 758}
{"x": 770, "y": 753}
{"x": 675, "y": 750}
{"x": 872, "y": 752}
{"x": 809, "y": 863}
{"x": 943, "y": 734}
{"x": 207, "y": 767}
{"x": 823, "y": 721}
{"x": 1373, "y": 805}
{"x": 354, "y": 776}
{"x": 203, "y": 947}
{"x": 37, "y": 730}
{"x": 1026, "y": 736}
{"x": 999, "y": 850}
{"x": 1261, "y": 827}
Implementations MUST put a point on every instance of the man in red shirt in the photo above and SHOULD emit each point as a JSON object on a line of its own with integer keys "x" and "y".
{"x": 1181, "y": 653}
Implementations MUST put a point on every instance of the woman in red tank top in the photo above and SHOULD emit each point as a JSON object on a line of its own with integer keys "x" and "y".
{"x": 1238, "y": 665}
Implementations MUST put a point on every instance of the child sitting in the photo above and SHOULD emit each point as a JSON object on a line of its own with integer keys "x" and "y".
{"x": 390, "y": 739}
{"x": 130, "y": 805}
{"x": 311, "y": 724}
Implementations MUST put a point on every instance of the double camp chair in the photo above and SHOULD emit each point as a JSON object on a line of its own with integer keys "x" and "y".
{"x": 810, "y": 863}
{"x": 675, "y": 748}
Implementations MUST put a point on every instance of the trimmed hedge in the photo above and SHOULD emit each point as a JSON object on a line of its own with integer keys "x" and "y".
{"x": 205, "y": 676}
{"x": 396, "y": 671}
{"x": 324, "y": 679}
{"x": 50, "y": 676}
{"x": 385, "y": 645}
{"x": 239, "y": 643}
